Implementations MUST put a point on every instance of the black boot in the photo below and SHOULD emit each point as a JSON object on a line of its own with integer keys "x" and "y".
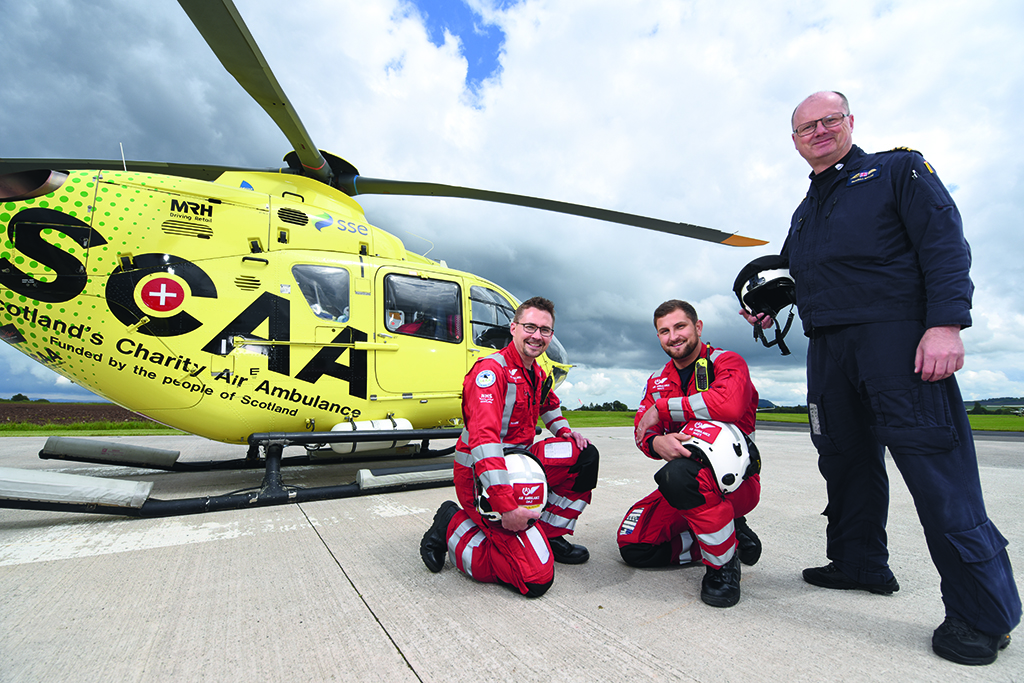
{"x": 721, "y": 587}
{"x": 434, "y": 545}
{"x": 567, "y": 553}
{"x": 749, "y": 543}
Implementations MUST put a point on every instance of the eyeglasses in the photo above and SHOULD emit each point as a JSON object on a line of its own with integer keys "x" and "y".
{"x": 830, "y": 121}
{"x": 530, "y": 328}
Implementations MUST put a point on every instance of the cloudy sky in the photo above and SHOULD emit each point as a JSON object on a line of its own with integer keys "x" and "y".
{"x": 672, "y": 109}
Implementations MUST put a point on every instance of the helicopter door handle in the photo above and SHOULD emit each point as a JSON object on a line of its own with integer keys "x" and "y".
{"x": 256, "y": 258}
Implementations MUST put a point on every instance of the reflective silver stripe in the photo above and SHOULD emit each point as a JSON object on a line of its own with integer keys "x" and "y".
{"x": 715, "y": 354}
{"x": 675, "y": 409}
{"x": 558, "y": 425}
{"x": 467, "y": 527}
{"x": 718, "y": 537}
{"x": 487, "y": 450}
{"x": 718, "y": 560}
{"x": 686, "y": 538}
{"x": 510, "y": 403}
{"x": 510, "y": 397}
{"x": 566, "y": 503}
{"x": 464, "y": 459}
{"x": 656, "y": 395}
{"x": 489, "y": 478}
{"x": 538, "y": 542}
{"x": 557, "y": 520}
{"x": 751, "y": 435}
{"x": 700, "y": 409}
{"x": 556, "y": 419}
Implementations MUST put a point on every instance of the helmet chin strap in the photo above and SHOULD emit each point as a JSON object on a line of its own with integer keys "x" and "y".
{"x": 779, "y": 334}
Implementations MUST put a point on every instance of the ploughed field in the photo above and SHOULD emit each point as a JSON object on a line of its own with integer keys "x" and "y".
{"x": 65, "y": 413}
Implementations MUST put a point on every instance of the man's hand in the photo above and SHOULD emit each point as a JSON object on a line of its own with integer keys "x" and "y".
{"x": 762, "y": 319}
{"x": 940, "y": 353}
{"x": 580, "y": 440}
{"x": 518, "y": 519}
{"x": 670, "y": 446}
{"x": 647, "y": 420}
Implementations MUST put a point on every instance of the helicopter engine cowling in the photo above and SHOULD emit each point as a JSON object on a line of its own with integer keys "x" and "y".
{"x": 387, "y": 425}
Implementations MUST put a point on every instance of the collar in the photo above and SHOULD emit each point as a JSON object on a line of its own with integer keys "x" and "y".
{"x": 513, "y": 359}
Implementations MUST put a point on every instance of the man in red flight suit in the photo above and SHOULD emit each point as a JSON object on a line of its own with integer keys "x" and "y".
{"x": 503, "y": 396}
{"x": 700, "y": 524}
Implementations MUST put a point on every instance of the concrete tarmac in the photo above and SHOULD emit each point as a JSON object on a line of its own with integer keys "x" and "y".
{"x": 336, "y": 590}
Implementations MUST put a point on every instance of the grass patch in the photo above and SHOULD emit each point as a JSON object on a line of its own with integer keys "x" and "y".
{"x": 86, "y": 429}
{"x": 582, "y": 419}
{"x": 579, "y": 419}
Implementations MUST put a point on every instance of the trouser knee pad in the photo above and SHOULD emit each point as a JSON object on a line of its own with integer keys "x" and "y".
{"x": 677, "y": 482}
{"x": 646, "y": 554}
{"x": 535, "y": 590}
{"x": 585, "y": 469}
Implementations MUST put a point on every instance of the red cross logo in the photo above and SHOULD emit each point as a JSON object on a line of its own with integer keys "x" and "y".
{"x": 162, "y": 294}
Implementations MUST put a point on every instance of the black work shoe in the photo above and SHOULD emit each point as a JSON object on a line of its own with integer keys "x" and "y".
{"x": 749, "y": 543}
{"x": 567, "y": 553}
{"x": 956, "y": 641}
{"x": 721, "y": 587}
{"x": 434, "y": 545}
{"x": 830, "y": 576}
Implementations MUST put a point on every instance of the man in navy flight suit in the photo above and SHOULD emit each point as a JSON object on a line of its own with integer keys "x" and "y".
{"x": 881, "y": 267}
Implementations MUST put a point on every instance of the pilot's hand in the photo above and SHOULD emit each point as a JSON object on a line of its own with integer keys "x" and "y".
{"x": 580, "y": 440}
{"x": 762, "y": 319}
{"x": 647, "y": 420}
{"x": 940, "y": 353}
{"x": 518, "y": 519}
{"x": 670, "y": 446}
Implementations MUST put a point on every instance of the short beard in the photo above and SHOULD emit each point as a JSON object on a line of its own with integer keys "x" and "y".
{"x": 683, "y": 353}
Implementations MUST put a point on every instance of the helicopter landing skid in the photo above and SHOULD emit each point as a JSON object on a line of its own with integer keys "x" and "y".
{"x": 58, "y": 492}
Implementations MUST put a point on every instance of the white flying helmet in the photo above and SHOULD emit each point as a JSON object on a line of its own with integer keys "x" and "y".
{"x": 529, "y": 484}
{"x": 730, "y": 454}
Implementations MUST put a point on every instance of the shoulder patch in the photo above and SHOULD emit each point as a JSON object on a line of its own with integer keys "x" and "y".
{"x": 485, "y": 379}
{"x": 902, "y": 149}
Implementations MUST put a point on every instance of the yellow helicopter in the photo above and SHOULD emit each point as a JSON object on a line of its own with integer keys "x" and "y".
{"x": 248, "y": 306}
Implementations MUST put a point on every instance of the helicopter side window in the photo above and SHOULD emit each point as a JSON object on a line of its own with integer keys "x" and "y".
{"x": 326, "y": 290}
{"x": 423, "y": 308}
{"x": 492, "y": 314}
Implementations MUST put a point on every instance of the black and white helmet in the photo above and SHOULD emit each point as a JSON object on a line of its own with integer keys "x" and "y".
{"x": 765, "y": 286}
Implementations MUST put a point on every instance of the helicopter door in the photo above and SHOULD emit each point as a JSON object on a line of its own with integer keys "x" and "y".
{"x": 422, "y": 317}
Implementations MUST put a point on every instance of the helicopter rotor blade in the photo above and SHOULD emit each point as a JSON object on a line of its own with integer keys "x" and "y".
{"x": 227, "y": 35}
{"x": 356, "y": 185}
{"x": 208, "y": 172}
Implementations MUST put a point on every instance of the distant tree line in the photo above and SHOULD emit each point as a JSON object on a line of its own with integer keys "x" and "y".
{"x": 614, "y": 406}
{"x": 980, "y": 409}
{"x": 797, "y": 410}
{"x": 22, "y": 398}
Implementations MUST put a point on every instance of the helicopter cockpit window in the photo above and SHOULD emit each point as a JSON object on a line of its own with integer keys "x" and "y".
{"x": 423, "y": 308}
{"x": 326, "y": 290}
{"x": 492, "y": 314}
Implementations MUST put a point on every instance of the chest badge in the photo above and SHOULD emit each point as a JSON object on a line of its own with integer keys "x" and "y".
{"x": 863, "y": 176}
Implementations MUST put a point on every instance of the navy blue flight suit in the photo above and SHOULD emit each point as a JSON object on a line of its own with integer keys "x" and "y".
{"x": 878, "y": 255}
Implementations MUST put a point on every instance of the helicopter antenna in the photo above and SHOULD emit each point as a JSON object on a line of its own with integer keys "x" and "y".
{"x": 125, "y": 163}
